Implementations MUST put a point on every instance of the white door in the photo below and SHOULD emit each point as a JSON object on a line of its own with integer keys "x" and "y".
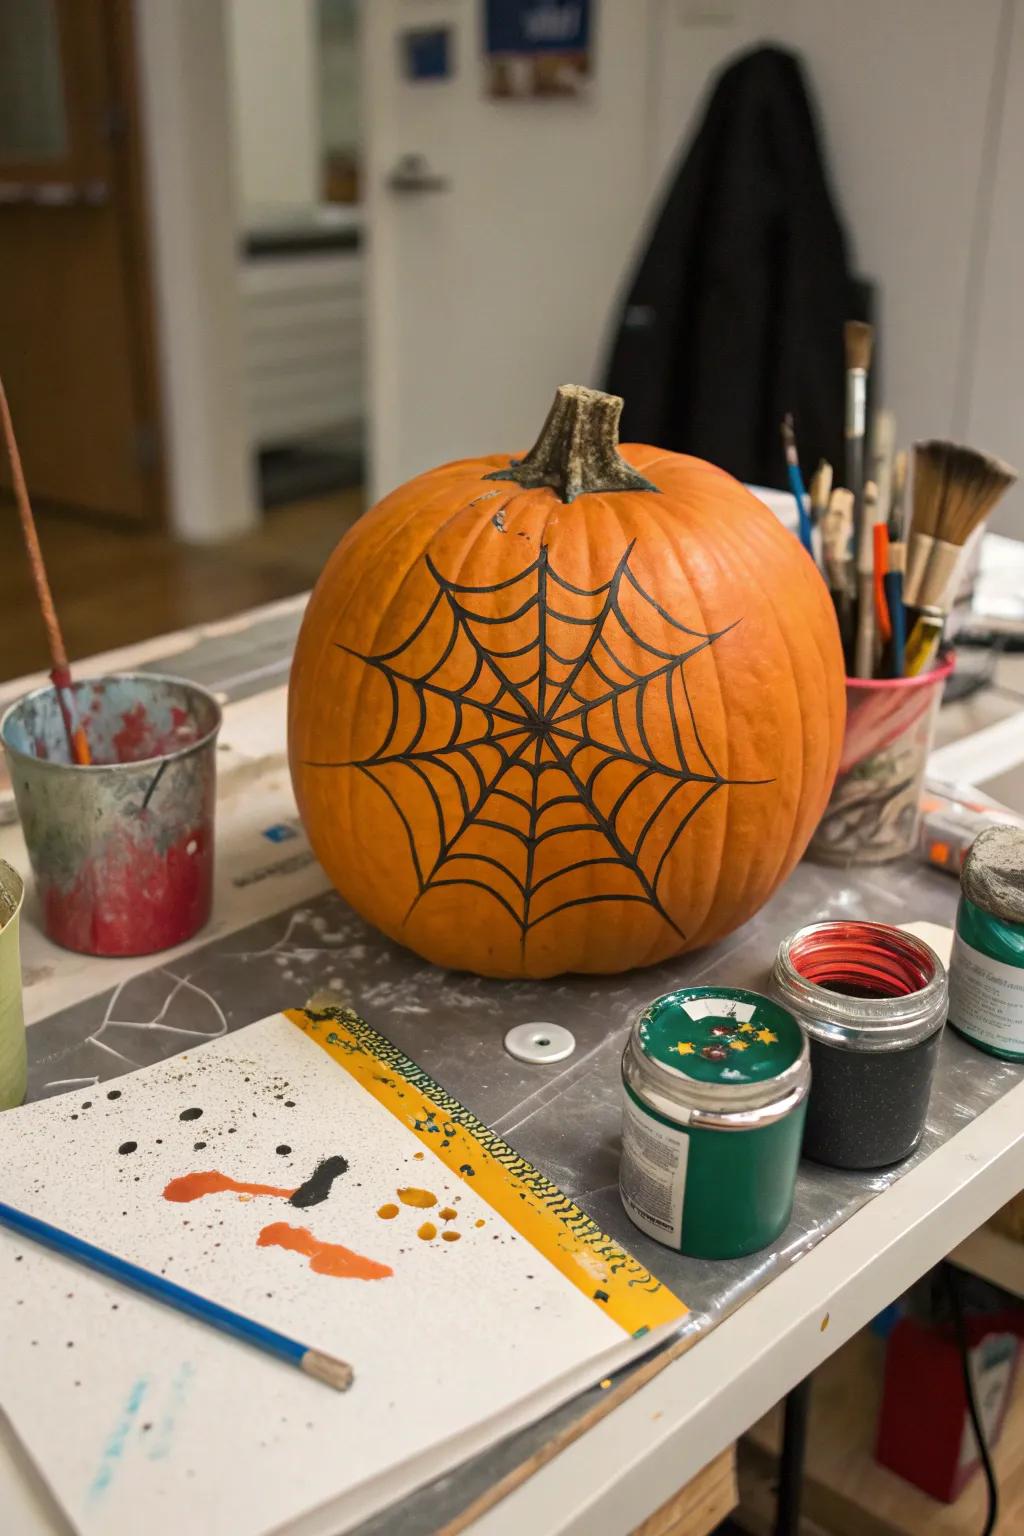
{"x": 487, "y": 293}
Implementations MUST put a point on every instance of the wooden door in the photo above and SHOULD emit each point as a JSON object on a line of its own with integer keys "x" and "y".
{"x": 75, "y": 348}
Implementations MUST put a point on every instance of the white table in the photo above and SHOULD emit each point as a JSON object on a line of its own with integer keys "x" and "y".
{"x": 631, "y": 1461}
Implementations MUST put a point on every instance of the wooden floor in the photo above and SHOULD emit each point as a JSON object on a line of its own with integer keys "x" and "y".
{"x": 113, "y": 586}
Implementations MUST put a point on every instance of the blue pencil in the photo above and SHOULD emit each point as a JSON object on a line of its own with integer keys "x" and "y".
{"x": 324, "y": 1367}
{"x": 796, "y": 483}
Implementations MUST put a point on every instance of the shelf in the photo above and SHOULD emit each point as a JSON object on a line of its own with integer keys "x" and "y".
{"x": 845, "y": 1492}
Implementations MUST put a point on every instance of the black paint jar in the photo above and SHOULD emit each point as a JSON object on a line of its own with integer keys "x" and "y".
{"x": 873, "y": 1001}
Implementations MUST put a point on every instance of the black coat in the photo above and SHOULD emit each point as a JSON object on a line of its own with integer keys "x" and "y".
{"x": 735, "y": 313}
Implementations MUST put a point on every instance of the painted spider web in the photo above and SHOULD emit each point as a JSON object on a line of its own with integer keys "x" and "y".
{"x": 507, "y": 760}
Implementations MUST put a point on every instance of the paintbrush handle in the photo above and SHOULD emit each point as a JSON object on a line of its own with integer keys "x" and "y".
{"x": 938, "y": 585}
{"x": 897, "y": 618}
{"x": 917, "y": 563}
{"x": 864, "y": 650}
{"x": 335, "y": 1373}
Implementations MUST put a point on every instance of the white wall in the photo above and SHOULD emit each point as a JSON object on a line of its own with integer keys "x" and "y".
{"x": 182, "y": 57}
{"x": 486, "y": 294}
{"x": 274, "y": 73}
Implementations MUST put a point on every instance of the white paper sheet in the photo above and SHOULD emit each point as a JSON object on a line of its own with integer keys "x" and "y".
{"x": 142, "y": 1419}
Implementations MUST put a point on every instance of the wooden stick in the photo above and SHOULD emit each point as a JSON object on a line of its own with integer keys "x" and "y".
{"x": 60, "y": 672}
{"x": 326, "y": 1368}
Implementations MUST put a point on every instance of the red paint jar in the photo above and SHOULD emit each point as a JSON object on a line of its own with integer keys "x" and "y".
{"x": 121, "y": 850}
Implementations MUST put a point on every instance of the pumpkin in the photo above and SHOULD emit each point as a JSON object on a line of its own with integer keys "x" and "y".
{"x": 578, "y": 711}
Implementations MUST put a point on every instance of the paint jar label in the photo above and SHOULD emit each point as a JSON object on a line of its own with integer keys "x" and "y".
{"x": 986, "y": 998}
{"x": 652, "y": 1173}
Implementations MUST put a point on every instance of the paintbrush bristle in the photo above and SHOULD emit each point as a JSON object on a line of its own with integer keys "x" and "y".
{"x": 896, "y": 496}
{"x": 955, "y": 488}
{"x": 789, "y": 438}
{"x": 821, "y": 488}
{"x": 858, "y": 340}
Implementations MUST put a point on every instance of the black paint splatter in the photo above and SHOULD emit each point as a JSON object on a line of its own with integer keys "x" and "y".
{"x": 115, "y": 1093}
{"x": 289, "y": 1103}
{"x": 283, "y": 1151}
{"x": 128, "y": 1146}
{"x": 198, "y": 1146}
{"x": 190, "y": 1114}
{"x": 318, "y": 1186}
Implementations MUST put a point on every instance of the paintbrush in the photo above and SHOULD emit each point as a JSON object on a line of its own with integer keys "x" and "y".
{"x": 326, "y": 1368}
{"x": 796, "y": 482}
{"x": 965, "y": 485}
{"x": 897, "y": 613}
{"x": 821, "y": 490}
{"x": 883, "y": 447}
{"x": 880, "y": 570}
{"x": 836, "y": 527}
{"x": 60, "y": 672}
{"x": 897, "y": 496}
{"x": 864, "y": 646}
{"x": 858, "y": 340}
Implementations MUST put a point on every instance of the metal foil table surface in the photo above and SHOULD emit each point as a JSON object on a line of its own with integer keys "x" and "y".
{"x": 564, "y": 1117}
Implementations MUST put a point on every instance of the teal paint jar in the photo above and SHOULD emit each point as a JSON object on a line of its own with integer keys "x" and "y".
{"x": 714, "y": 1083}
{"x": 986, "y": 970}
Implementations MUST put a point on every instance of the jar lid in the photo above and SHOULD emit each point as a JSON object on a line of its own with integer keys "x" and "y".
{"x": 862, "y": 986}
{"x": 993, "y": 873}
{"x": 720, "y": 1047}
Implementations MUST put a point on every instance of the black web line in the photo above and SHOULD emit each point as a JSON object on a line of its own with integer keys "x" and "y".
{"x": 549, "y": 739}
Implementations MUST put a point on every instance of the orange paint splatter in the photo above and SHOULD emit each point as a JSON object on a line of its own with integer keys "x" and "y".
{"x": 479, "y": 1222}
{"x": 324, "y": 1258}
{"x": 193, "y": 1186}
{"x": 448, "y": 1213}
{"x": 428, "y": 1232}
{"x": 451, "y": 1236}
{"x": 421, "y": 1198}
{"x": 388, "y": 1212}
{"x": 418, "y": 1156}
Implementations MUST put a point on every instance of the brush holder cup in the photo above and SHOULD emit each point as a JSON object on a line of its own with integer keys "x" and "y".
{"x": 874, "y": 811}
{"x": 122, "y": 850}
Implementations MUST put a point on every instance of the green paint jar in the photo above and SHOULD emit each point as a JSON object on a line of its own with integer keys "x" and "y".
{"x": 715, "y": 1083}
{"x": 13, "y": 1064}
{"x": 986, "y": 970}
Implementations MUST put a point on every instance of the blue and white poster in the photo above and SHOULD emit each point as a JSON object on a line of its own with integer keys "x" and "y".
{"x": 537, "y": 47}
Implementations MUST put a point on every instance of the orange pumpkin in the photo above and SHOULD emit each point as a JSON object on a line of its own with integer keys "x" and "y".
{"x": 575, "y": 712}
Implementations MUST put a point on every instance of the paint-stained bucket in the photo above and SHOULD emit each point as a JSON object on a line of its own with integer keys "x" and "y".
{"x": 122, "y": 851}
{"x": 13, "y": 1071}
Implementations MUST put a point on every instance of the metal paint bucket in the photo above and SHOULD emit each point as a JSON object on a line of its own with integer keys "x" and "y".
{"x": 13, "y": 1067}
{"x": 122, "y": 851}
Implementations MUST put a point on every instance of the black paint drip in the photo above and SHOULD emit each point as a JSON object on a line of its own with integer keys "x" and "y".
{"x": 318, "y": 1186}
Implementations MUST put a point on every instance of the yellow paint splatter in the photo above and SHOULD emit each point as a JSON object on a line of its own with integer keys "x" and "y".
{"x": 243, "y": 1198}
{"x": 825, "y": 1322}
{"x": 746, "y": 1029}
{"x": 604, "y": 1385}
{"x": 451, "y": 1236}
{"x": 418, "y": 1156}
{"x": 479, "y": 1222}
{"x": 448, "y": 1213}
{"x": 685, "y": 1047}
{"x": 428, "y": 1232}
{"x": 767, "y": 1037}
{"x": 422, "y": 1199}
{"x": 739, "y": 1045}
{"x": 388, "y": 1212}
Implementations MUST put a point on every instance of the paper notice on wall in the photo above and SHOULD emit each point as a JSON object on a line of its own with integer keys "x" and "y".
{"x": 537, "y": 47}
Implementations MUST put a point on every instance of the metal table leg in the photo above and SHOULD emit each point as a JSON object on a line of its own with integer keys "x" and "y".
{"x": 791, "y": 1460}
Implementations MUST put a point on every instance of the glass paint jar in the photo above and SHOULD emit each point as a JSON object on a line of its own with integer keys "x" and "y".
{"x": 986, "y": 971}
{"x": 872, "y": 1000}
{"x": 13, "y": 1065}
{"x": 714, "y": 1083}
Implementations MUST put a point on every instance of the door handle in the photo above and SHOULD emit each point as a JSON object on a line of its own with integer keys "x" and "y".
{"x": 54, "y": 194}
{"x": 412, "y": 173}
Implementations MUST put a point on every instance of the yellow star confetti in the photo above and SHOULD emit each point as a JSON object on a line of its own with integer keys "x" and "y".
{"x": 685, "y": 1048}
{"x": 739, "y": 1045}
{"x": 746, "y": 1029}
{"x": 766, "y": 1037}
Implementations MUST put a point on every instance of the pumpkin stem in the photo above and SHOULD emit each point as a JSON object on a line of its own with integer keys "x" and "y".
{"x": 578, "y": 449}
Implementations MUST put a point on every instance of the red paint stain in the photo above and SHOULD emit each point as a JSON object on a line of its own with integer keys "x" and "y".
{"x": 133, "y": 898}
{"x": 324, "y": 1258}
{"x": 193, "y": 1186}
